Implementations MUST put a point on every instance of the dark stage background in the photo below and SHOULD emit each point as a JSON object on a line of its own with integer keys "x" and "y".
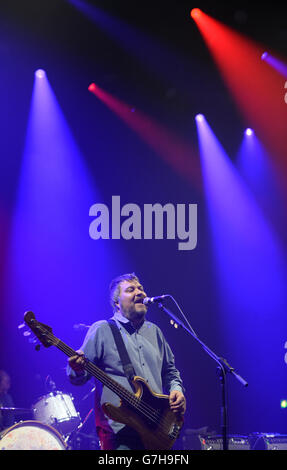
{"x": 65, "y": 151}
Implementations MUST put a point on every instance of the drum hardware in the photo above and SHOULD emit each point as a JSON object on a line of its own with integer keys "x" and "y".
{"x": 71, "y": 438}
{"x": 89, "y": 393}
{"x": 16, "y": 410}
{"x": 83, "y": 441}
{"x": 78, "y": 440}
{"x": 55, "y": 424}
{"x": 18, "y": 436}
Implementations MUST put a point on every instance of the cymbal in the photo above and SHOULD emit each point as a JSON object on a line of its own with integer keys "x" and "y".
{"x": 15, "y": 410}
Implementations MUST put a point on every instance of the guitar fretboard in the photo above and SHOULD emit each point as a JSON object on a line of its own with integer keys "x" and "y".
{"x": 96, "y": 372}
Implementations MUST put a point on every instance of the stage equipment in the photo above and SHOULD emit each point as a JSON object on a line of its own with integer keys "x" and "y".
{"x": 266, "y": 441}
{"x": 216, "y": 443}
{"x": 57, "y": 409}
{"x": 222, "y": 365}
{"x": 31, "y": 435}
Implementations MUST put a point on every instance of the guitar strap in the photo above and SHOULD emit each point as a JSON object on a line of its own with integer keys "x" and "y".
{"x": 126, "y": 362}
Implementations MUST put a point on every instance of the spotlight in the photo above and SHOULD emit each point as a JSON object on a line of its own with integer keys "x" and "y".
{"x": 283, "y": 404}
{"x": 195, "y": 13}
{"x": 199, "y": 117}
{"x": 248, "y": 131}
{"x": 40, "y": 73}
{"x": 92, "y": 87}
{"x": 264, "y": 55}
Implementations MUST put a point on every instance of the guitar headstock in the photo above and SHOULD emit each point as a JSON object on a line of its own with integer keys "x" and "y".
{"x": 41, "y": 331}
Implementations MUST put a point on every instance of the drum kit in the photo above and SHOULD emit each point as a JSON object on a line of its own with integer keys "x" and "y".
{"x": 55, "y": 425}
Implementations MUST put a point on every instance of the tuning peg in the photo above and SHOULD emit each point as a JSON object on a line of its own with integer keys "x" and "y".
{"x": 33, "y": 340}
{"x": 23, "y": 330}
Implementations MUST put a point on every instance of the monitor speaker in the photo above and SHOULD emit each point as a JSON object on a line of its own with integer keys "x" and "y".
{"x": 216, "y": 443}
{"x": 261, "y": 441}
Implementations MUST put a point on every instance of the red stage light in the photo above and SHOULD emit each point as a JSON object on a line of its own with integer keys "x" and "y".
{"x": 195, "y": 13}
{"x": 92, "y": 87}
{"x": 179, "y": 154}
{"x": 256, "y": 88}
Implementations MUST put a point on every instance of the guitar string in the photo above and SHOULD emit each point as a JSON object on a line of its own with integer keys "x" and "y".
{"x": 149, "y": 412}
{"x": 138, "y": 403}
{"x": 146, "y": 409}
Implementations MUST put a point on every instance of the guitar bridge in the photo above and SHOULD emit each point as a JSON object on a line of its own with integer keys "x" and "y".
{"x": 174, "y": 431}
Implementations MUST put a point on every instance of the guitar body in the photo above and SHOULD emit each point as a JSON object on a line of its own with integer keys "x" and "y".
{"x": 156, "y": 424}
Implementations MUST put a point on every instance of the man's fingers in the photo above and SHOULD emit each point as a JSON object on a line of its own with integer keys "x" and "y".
{"x": 177, "y": 402}
{"x": 77, "y": 361}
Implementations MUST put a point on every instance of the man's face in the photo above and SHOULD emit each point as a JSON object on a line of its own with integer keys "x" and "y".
{"x": 130, "y": 301}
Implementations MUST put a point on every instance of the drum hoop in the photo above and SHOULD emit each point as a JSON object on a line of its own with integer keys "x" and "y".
{"x": 34, "y": 423}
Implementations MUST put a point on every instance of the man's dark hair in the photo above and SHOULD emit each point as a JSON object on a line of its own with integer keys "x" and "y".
{"x": 115, "y": 287}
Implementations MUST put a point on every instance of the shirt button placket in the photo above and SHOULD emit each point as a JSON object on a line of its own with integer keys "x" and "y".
{"x": 140, "y": 348}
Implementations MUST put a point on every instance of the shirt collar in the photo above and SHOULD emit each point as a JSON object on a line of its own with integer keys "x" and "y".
{"x": 120, "y": 318}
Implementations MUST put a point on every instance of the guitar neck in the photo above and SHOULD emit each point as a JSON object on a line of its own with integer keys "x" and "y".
{"x": 96, "y": 372}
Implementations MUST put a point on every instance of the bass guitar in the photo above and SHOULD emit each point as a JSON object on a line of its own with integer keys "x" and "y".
{"x": 145, "y": 411}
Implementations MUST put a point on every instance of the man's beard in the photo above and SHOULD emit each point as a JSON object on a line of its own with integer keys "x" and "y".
{"x": 135, "y": 315}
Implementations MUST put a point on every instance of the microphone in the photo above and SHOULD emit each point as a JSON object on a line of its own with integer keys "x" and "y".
{"x": 154, "y": 300}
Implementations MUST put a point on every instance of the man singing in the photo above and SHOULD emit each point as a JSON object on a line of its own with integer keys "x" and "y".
{"x": 150, "y": 354}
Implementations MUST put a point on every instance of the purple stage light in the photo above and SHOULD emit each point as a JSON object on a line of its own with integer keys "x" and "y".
{"x": 199, "y": 117}
{"x": 277, "y": 64}
{"x": 250, "y": 271}
{"x": 249, "y": 131}
{"x": 259, "y": 173}
{"x": 40, "y": 73}
{"x": 55, "y": 192}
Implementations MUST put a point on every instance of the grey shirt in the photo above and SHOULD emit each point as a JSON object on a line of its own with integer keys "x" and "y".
{"x": 148, "y": 350}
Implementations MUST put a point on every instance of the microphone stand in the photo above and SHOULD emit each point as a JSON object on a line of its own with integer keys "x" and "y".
{"x": 223, "y": 368}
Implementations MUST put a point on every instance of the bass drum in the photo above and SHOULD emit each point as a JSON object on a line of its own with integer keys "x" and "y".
{"x": 31, "y": 435}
